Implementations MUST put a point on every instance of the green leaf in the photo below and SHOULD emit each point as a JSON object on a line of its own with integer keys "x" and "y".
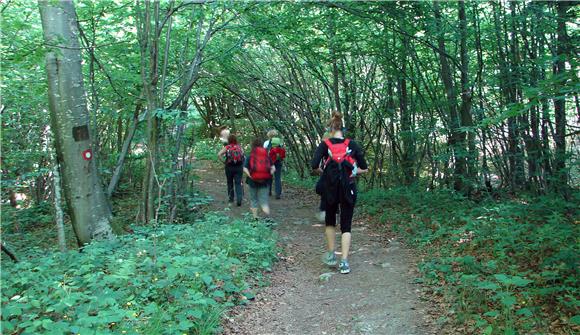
{"x": 207, "y": 279}
{"x": 487, "y": 285}
{"x": 502, "y": 278}
{"x": 12, "y": 311}
{"x": 195, "y": 313}
{"x": 519, "y": 281}
{"x": 184, "y": 324}
{"x": 507, "y": 300}
{"x": 575, "y": 320}
{"x": 491, "y": 314}
{"x": 218, "y": 294}
{"x": 525, "y": 312}
{"x": 46, "y": 323}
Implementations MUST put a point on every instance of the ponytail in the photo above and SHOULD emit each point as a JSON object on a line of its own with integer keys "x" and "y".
{"x": 335, "y": 122}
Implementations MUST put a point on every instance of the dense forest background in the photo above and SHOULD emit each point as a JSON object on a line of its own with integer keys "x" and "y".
{"x": 473, "y": 104}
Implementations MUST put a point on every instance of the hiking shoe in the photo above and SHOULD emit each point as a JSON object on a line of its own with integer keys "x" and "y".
{"x": 329, "y": 258}
{"x": 239, "y": 203}
{"x": 278, "y": 197}
{"x": 344, "y": 267}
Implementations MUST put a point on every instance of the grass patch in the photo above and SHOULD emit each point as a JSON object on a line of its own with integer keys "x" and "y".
{"x": 508, "y": 266}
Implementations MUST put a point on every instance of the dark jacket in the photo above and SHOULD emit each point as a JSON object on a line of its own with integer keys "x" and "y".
{"x": 336, "y": 184}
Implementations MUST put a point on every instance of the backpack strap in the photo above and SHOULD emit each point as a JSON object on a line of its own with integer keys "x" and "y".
{"x": 328, "y": 143}
{"x": 252, "y": 161}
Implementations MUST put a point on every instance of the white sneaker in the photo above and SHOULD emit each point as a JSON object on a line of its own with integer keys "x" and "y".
{"x": 321, "y": 216}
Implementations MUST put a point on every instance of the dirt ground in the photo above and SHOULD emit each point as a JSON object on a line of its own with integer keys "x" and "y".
{"x": 308, "y": 297}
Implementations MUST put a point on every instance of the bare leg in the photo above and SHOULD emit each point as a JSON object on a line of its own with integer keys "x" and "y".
{"x": 345, "y": 244}
{"x": 330, "y": 233}
{"x": 254, "y": 212}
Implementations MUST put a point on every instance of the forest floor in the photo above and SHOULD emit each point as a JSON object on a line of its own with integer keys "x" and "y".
{"x": 305, "y": 296}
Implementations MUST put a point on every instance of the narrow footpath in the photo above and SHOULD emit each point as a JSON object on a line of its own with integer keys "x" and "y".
{"x": 308, "y": 297}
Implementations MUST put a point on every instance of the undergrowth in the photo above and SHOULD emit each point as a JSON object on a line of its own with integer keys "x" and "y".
{"x": 207, "y": 149}
{"x": 164, "y": 280}
{"x": 508, "y": 266}
{"x": 293, "y": 178}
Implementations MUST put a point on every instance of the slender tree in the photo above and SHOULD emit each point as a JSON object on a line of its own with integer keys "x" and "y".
{"x": 560, "y": 100}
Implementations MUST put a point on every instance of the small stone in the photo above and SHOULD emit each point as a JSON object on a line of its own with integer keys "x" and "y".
{"x": 325, "y": 276}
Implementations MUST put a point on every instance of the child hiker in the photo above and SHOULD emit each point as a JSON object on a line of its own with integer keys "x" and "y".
{"x": 259, "y": 170}
{"x": 343, "y": 159}
{"x": 234, "y": 160}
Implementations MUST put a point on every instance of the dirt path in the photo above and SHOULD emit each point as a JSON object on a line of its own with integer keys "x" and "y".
{"x": 377, "y": 297}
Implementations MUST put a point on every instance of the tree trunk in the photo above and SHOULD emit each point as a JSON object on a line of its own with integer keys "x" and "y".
{"x": 124, "y": 150}
{"x": 560, "y": 101}
{"x": 466, "y": 101}
{"x": 455, "y": 136}
{"x": 59, "y": 215}
{"x": 408, "y": 155}
{"x": 88, "y": 208}
{"x": 335, "y": 74}
{"x": 148, "y": 43}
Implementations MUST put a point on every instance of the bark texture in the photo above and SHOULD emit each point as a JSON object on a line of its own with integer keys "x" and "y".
{"x": 86, "y": 202}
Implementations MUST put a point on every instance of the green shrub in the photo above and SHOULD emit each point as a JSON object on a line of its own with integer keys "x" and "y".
{"x": 207, "y": 149}
{"x": 507, "y": 265}
{"x": 164, "y": 280}
{"x": 293, "y": 178}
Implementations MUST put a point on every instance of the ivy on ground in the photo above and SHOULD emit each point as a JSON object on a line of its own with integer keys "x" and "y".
{"x": 167, "y": 279}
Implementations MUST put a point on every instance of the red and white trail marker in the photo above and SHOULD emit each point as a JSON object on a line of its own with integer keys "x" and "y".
{"x": 87, "y": 155}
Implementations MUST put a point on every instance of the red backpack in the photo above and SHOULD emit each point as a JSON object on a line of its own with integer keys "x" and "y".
{"x": 277, "y": 154}
{"x": 260, "y": 165}
{"x": 339, "y": 153}
{"x": 234, "y": 154}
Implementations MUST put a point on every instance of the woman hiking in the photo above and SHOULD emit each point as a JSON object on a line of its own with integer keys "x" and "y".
{"x": 343, "y": 160}
{"x": 259, "y": 170}
{"x": 234, "y": 160}
{"x": 277, "y": 155}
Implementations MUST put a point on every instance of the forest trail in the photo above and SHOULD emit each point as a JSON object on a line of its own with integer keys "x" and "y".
{"x": 378, "y": 297}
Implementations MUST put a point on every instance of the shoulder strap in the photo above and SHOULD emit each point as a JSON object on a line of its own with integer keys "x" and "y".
{"x": 346, "y": 141}
{"x": 328, "y": 143}
{"x": 252, "y": 161}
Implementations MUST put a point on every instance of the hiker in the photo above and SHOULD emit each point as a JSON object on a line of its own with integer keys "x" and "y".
{"x": 233, "y": 156}
{"x": 259, "y": 170}
{"x": 277, "y": 155}
{"x": 344, "y": 160}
